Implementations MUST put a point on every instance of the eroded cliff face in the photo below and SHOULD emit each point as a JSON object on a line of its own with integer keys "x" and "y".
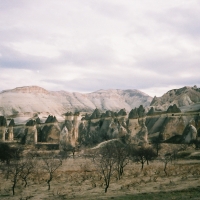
{"x": 167, "y": 126}
{"x": 93, "y": 131}
{"x": 185, "y": 96}
{"x": 95, "y": 128}
{"x": 30, "y": 135}
{"x": 189, "y": 134}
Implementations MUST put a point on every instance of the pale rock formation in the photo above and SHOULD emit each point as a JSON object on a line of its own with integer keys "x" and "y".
{"x": 30, "y": 135}
{"x": 172, "y": 126}
{"x": 51, "y": 133}
{"x": 72, "y": 123}
{"x": 189, "y": 134}
{"x": 173, "y": 109}
{"x": 142, "y": 135}
{"x": 10, "y": 130}
{"x": 134, "y": 127}
{"x": 138, "y": 130}
{"x": 122, "y": 112}
{"x": 65, "y": 138}
{"x": 121, "y": 131}
{"x": 10, "y": 133}
{"x": 181, "y": 97}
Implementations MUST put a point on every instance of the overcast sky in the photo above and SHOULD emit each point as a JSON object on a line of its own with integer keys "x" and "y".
{"x": 87, "y": 45}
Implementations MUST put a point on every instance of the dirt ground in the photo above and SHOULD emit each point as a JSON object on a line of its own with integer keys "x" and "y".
{"x": 78, "y": 179}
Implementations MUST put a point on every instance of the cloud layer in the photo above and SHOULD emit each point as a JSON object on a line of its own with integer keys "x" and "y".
{"x": 88, "y": 45}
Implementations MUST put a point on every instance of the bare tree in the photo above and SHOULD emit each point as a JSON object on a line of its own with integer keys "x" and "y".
{"x": 28, "y": 166}
{"x": 143, "y": 154}
{"x": 15, "y": 170}
{"x": 166, "y": 159}
{"x": 13, "y": 165}
{"x": 122, "y": 158}
{"x": 50, "y": 165}
{"x": 66, "y": 149}
{"x": 149, "y": 154}
{"x": 156, "y": 142}
{"x": 106, "y": 162}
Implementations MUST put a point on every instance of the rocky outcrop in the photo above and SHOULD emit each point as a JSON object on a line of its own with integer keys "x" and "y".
{"x": 51, "y": 133}
{"x": 10, "y": 132}
{"x": 151, "y": 111}
{"x": 94, "y": 131}
{"x": 138, "y": 130}
{"x": 12, "y": 123}
{"x": 3, "y": 121}
{"x": 189, "y": 134}
{"x": 31, "y": 122}
{"x": 172, "y": 126}
{"x": 3, "y": 124}
{"x": 65, "y": 139}
{"x": 122, "y": 112}
{"x": 133, "y": 114}
{"x": 51, "y": 119}
{"x": 96, "y": 114}
{"x": 137, "y": 112}
{"x": 30, "y": 135}
{"x": 142, "y": 135}
{"x": 173, "y": 109}
{"x": 181, "y": 97}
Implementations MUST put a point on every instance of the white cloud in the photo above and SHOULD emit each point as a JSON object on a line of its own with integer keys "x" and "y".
{"x": 34, "y": 48}
{"x": 90, "y": 45}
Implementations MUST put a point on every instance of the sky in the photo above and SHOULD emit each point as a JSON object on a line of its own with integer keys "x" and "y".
{"x": 84, "y": 46}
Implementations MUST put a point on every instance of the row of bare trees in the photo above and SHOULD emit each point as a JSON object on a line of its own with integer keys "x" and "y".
{"x": 17, "y": 167}
{"x": 110, "y": 159}
{"x": 113, "y": 157}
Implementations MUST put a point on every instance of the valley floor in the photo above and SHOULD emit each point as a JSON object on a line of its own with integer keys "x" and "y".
{"x": 78, "y": 179}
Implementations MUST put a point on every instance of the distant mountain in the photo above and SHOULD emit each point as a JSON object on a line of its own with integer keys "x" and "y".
{"x": 34, "y": 99}
{"x": 187, "y": 98}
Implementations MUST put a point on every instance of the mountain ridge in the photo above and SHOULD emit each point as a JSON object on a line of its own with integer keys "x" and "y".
{"x": 185, "y": 96}
{"x": 37, "y": 99}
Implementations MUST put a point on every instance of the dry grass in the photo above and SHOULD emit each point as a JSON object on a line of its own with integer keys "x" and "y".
{"x": 78, "y": 178}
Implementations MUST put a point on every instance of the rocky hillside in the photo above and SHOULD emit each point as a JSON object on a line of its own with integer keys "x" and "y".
{"x": 34, "y": 99}
{"x": 185, "y": 97}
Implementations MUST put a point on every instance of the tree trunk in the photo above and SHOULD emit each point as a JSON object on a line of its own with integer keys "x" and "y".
{"x": 142, "y": 165}
{"x": 165, "y": 169}
{"x": 25, "y": 182}
{"x": 48, "y": 182}
{"x": 13, "y": 188}
{"x": 106, "y": 188}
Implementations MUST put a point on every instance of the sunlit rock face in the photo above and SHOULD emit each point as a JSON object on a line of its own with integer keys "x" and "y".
{"x": 65, "y": 138}
{"x": 10, "y": 133}
{"x": 185, "y": 96}
{"x": 142, "y": 135}
{"x": 138, "y": 130}
{"x": 172, "y": 126}
{"x": 189, "y": 134}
